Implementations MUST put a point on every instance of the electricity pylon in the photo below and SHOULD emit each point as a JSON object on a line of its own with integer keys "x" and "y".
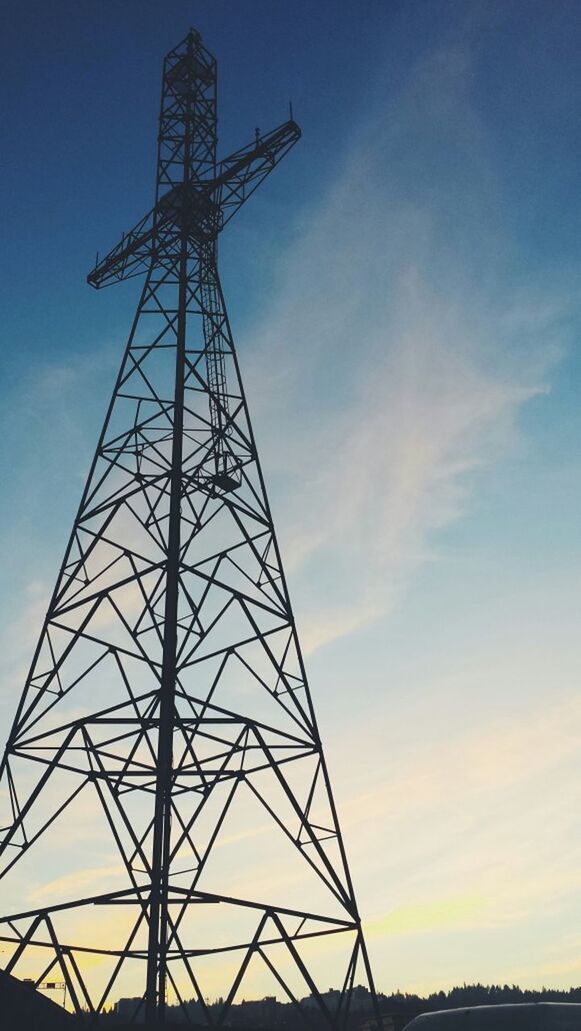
{"x": 167, "y": 692}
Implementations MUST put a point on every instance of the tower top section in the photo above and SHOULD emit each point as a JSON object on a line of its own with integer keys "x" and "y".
{"x": 196, "y": 194}
{"x": 191, "y": 56}
{"x": 188, "y": 118}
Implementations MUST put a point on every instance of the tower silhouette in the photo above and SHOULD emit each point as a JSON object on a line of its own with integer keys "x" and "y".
{"x": 169, "y": 810}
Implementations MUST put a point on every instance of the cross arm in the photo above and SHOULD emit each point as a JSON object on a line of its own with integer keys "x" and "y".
{"x": 209, "y": 207}
{"x": 239, "y": 175}
{"x": 129, "y": 258}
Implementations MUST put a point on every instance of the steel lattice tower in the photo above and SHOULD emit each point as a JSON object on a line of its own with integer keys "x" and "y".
{"x": 168, "y": 683}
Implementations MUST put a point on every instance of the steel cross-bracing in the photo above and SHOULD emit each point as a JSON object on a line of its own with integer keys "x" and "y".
{"x": 169, "y": 825}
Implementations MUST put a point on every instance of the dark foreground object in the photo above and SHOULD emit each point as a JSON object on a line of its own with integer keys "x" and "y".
{"x": 22, "y": 1008}
{"x": 534, "y": 1016}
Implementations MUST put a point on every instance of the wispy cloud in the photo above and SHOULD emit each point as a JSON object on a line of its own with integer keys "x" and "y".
{"x": 473, "y": 831}
{"x": 79, "y": 883}
{"x": 433, "y": 915}
{"x": 398, "y": 350}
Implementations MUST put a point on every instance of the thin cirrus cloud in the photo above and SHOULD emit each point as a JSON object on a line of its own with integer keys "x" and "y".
{"x": 396, "y": 354}
{"x": 470, "y": 832}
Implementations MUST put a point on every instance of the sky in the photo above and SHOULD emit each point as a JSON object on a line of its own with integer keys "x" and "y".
{"x": 404, "y": 294}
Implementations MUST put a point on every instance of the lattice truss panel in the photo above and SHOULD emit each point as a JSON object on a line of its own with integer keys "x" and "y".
{"x": 253, "y": 878}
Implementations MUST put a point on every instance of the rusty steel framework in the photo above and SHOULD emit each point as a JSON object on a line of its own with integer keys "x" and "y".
{"x": 169, "y": 626}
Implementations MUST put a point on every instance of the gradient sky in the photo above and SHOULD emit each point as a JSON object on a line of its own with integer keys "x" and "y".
{"x": 404, "y": 292}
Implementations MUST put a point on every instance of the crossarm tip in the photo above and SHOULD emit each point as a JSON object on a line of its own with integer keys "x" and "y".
{"x": 240, "y": 174}
{"x": 128, "y": 258}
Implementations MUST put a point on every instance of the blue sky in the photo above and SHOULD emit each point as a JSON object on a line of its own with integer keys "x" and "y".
{"x": 404, "y": 292}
